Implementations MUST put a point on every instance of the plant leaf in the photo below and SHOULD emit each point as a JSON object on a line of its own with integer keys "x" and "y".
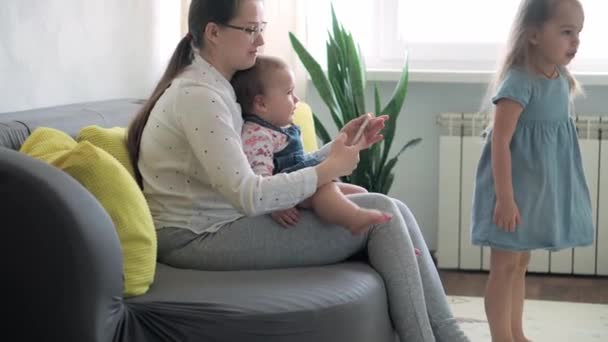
{"x": 320, "y": 129}
{"x": 376, "y": 149}
{"x": 386, "y": 171}
{"x": 388, "y": 183}
{"x": 392, "y": 109}
{"x": 407, "y": 145}
{"x": 400, "y": 92}
{"x": 316, "y": 74}
{"x": 336, "y": 76}
{"x": 355, "y": 76}
{"x": 386, "y": 177}
{"x": 343, "y": 91}
{"x": 338, "y": 30}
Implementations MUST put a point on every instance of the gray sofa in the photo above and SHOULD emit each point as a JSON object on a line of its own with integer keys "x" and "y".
{"x": 62, "y": 267}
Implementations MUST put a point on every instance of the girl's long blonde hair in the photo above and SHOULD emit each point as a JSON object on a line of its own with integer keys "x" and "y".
{"x": 531, "y": 14}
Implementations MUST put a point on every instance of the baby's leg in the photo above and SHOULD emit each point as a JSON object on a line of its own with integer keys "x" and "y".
{"x": 499, "y": 294}
{"x": 351, "y": 189}
{"x": 519, "y": 295}
{"x": 334, "y": 207}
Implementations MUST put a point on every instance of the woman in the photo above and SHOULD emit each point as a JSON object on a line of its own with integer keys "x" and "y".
{"x": 207, "y": 203}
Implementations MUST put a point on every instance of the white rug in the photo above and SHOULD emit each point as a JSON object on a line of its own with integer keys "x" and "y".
{"x": 544, "y": 321}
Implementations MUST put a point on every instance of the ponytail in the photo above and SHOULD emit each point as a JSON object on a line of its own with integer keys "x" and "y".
{"x": 200, "y": 14}
{"x": 182, "y": 57}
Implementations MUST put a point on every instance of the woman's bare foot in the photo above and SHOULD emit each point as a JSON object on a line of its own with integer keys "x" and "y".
{"x": 365, "y": 218}
{"x": 521, "y": 339}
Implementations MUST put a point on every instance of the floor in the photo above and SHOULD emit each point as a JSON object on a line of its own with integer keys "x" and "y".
{"x": 538, "y": 286}
{"x": 543, "y": 320}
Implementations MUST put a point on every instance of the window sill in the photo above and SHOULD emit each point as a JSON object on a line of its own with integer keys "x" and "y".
{"x": 472, "y": 76}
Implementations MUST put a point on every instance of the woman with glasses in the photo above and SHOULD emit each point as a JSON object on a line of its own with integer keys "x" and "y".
{"x": 209, "y": 207}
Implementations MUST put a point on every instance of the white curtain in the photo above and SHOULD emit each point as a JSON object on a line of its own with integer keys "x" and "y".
{"x": 185, "y": 4}
{"x": 286, "y": 16}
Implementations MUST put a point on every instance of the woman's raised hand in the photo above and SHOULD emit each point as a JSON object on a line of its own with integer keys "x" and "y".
{"x": 343, "y": 157}
{"x": 371, "y": 134}
{"x": 341, "y": 160}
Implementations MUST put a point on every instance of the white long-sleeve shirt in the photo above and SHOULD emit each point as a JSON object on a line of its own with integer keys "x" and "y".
{"x": 195, "y": 173}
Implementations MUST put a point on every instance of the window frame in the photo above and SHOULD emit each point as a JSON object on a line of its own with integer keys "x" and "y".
{"x": 427, "y": 62}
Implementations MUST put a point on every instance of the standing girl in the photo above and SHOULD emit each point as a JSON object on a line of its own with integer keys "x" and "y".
{"x": 531, "y": 191}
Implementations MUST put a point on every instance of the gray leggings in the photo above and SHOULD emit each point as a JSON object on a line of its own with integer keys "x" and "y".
{"x": 417, "y": 302}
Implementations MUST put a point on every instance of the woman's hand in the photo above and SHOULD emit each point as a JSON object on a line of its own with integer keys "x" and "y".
{"x": 343, "y": 157}
{"x": 371, "y": 134}
{"x": 341, "y": 160}
{"x": 506, "y": 215}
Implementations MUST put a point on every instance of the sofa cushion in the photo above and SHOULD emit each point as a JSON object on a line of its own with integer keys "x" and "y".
{"x": 340, "y": 302}
{"x": 111, "y": 140}
{"x": 115, "y": 189}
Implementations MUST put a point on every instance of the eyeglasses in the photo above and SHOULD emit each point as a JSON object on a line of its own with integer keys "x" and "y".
{"x": 254, "y": 31}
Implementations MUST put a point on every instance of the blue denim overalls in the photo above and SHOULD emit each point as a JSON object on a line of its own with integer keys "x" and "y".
{"x": 292, "y": 157}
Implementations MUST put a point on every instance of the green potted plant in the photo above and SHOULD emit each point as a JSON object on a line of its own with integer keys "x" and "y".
{"x": 343, "y": 91}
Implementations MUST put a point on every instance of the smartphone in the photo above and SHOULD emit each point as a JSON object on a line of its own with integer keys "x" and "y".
{"x": 361, "y": 129}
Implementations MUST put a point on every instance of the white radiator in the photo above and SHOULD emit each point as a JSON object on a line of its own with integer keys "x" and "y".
{"x": 459, "y": 152}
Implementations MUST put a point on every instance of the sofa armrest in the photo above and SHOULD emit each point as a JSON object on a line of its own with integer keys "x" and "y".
{"x": 62, "y": 265}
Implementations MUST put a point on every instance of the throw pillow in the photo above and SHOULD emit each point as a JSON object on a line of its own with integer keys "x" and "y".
{"x": 111, "y": 140}
{"x": 115, "y": 189}
{"x": 303, "y": 118}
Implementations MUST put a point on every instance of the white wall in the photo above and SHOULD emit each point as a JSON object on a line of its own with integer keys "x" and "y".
{"x": 56, "y": 52}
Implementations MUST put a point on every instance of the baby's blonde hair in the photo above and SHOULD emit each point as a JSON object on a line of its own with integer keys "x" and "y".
{"x": 531, "y": 14}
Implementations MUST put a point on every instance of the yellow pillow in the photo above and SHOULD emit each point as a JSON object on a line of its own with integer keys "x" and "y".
{"x": 303, "y": 118}
{"x": 111, "y": 140}
{"x": 117, "y": 192}
{"x": 47, "y": 144}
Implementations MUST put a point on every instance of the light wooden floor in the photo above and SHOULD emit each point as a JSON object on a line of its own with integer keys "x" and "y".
{"x": 543, "y": 287}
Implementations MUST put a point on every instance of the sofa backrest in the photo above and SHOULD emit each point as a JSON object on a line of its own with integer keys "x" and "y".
{"x": 15, "y": 127}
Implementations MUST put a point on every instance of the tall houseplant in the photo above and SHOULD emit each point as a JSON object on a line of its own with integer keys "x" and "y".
{"x": 343, "y": 91}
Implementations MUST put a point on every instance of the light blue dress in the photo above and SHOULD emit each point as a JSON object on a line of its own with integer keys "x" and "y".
{"x": 548, "y": 180}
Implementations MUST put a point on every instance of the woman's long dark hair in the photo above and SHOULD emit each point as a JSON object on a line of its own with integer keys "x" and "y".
{"x": 200, "y": 13}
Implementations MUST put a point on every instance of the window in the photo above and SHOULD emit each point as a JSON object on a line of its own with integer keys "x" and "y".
{"x": 444, "y": 35}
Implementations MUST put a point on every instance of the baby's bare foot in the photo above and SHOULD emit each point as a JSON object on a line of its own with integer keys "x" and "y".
{"x": 365, "y": 218}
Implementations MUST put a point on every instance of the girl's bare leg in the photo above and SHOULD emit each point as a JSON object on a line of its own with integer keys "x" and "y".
{"x": 499, "y": 293}
{"x": 518, "y": 296}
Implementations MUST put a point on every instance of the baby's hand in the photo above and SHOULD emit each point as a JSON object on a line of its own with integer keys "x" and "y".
{"x": 287, "y": 217}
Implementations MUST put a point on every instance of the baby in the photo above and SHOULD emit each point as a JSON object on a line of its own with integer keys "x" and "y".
{"x": 272, "y": 144}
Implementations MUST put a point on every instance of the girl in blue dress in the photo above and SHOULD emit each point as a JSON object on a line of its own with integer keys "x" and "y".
{"x": 530, "y": 189}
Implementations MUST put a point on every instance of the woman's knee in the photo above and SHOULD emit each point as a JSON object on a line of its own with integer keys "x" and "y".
{"x": 402, "y": 207}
